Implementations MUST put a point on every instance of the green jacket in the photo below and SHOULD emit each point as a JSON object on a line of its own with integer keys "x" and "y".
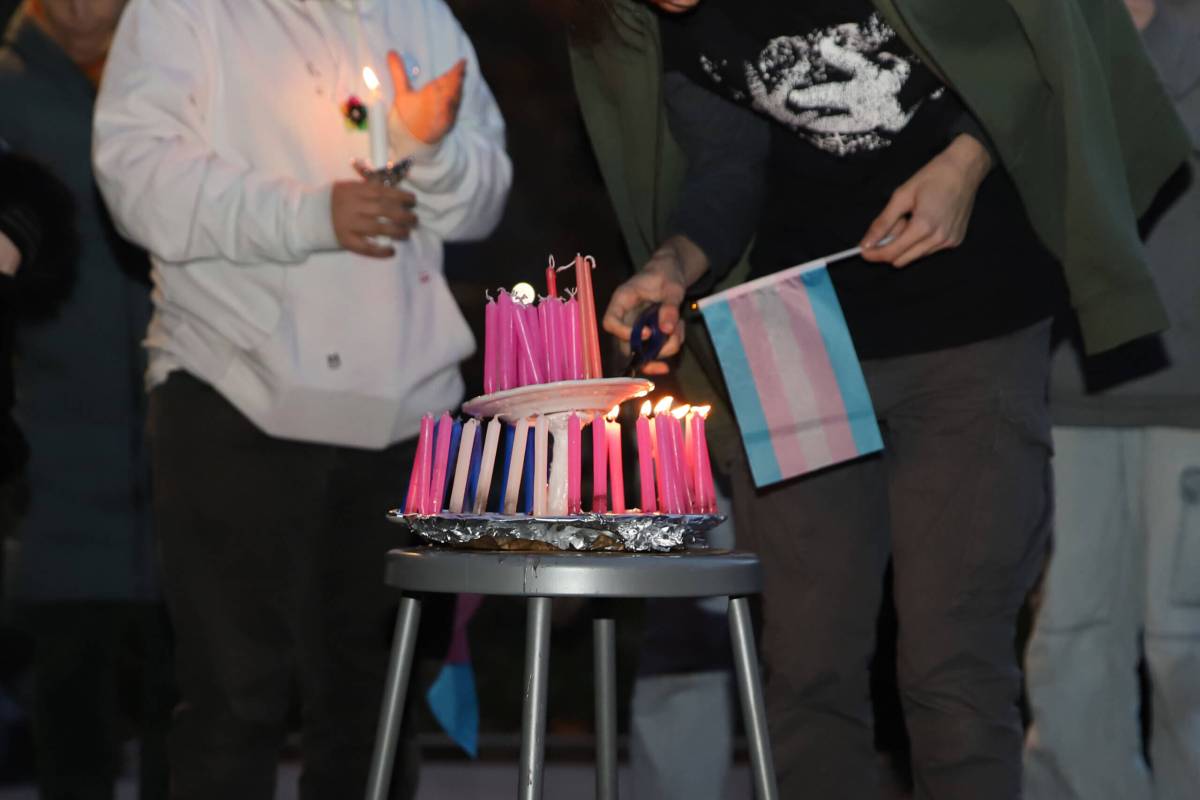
{"x": 1063, "y": 89}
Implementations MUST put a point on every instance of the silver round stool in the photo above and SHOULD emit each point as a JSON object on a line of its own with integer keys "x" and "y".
{"x": 540, "y": 577}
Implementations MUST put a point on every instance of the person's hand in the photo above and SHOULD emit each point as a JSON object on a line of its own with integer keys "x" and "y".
{"x": 362, "y": 211}
{"x": 429, "y": 112}
{"x": 10, "y": 256}
{"x": 930, "y": 211}
{"x": 664, "y": 279}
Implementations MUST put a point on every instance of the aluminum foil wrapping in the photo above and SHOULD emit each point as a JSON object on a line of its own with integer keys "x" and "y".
{"x": 629, "y": 532}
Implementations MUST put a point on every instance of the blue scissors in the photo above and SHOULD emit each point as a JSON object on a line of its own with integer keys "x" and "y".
{"x": 644, "y": 350}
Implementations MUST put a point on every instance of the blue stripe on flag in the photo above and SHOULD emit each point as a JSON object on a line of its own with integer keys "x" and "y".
{"x": 738, "y": 379}
{"x": 842, "y": 356}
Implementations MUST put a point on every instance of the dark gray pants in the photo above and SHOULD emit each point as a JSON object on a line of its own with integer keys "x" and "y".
{"x": 961, "y": 501}
{"x": 273, "y": 557}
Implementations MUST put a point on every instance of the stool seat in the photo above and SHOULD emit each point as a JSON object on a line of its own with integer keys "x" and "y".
{"x": 539, "y": 577}
{"x": 702, "y": 573}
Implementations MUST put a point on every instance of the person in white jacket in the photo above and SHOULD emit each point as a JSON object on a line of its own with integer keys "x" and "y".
{"x": 291, "y": 355}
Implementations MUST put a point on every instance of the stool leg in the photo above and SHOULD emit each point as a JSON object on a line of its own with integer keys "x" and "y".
{"x": 604, "y": 653}
{"x": 533, "y": 718}
{"x": 754, "y": 716}
{"x": 403, "y": 645}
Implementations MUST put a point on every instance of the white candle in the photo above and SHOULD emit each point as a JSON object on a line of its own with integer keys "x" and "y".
{"x": 488, "y": 463}
{"x": 541, "y": 455}
{"x": 462, "y": 468}
{"x": 516, "y": 468}
{"x": 377, "y": 120}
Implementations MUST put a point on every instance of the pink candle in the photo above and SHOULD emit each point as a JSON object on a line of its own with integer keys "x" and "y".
{"x": 505, "y": 350}
{"x": 574, "y": 464}
{"x": 546, "y": 314}
{"x": 646, "y": 460}
{"x": 662, "y": 456}
{"x": 587, "y": 317}
{"x": 571, "y": 321}
{"x": 551, "y": 279}
{"x": 525, "y": 323}
{"x": 437, "y": 483}
{"x": 418, "y": 481}
{"x": 599, "y": 465}
{"x": 661, "y": 409}
{"x": 489, "y": 346}
{"x": 616, "y": 468}
{"x": 678, "y": 461}
{"x": 689, "y": 457}
{"x": 704, "y": 475}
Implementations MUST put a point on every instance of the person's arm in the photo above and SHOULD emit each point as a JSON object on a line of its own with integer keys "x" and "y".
{"x": 167, "y": 188}
{"x": 461, "y": 180}
{"x": 726, "y": 148}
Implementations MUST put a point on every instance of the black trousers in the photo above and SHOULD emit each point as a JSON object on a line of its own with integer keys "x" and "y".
{"x": 95, "y": 661}
{"x": 273, "y": 557}
{"x": 961, "y": 501}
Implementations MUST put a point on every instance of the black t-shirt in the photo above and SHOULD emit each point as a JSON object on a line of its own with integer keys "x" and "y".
{"x": 854, "y": 114}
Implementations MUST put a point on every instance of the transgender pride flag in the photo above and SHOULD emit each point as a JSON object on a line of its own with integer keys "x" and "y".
{"x": 797, "y": 388}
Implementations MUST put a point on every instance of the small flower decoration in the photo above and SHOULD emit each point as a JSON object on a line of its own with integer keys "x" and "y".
{"x": 355, "y": 113}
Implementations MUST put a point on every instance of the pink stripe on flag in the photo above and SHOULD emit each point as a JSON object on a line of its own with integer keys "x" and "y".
{"x": 830, "y": 406}
{"x": 763, "y": 366}
{"x": 798, "y": 385}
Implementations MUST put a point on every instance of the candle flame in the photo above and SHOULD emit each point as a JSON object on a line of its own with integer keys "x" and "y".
{"x": 681, "y": 412}
{"x": 646, "y": 408}
{"x": 702, "y": 411}
{"x": 371, "y": 79}
{"x": 612, "y": 415}
{"x": 664, "y": 405}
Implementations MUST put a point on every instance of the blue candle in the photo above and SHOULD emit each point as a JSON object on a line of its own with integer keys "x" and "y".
{"x": 476, "y": 462}
{"x": 455, "y": 436}
{"x": 527, "y": 477}
{"x": 510, "y": 433}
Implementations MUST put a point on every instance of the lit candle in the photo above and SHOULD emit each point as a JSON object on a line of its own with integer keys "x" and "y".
{"x": 616, "y": 468}
{"x": 377, "y": 120}
{"x": 488, "y": 460}
{"x": 574, "y": 464}
{"x": 662, "y": 464}
{"x": 462, "y": 467}
{"x": 645, "y": 460}
{"x": 418, "y": 479}
{"x": 490, "y": 334}
{"x": 558, "y": 471}
{"x": 704, "y": 474}
{"x": 575, "y": 370}
{"x": 659, "y": 450}
{"x": 437, "y": 482}
{"x": 599, "y": 465}
{"x": 541, "y": 456}
{"x": 516, "y": 467}
{"x": 689, "y": 457}
{"x": 679, "y": 461}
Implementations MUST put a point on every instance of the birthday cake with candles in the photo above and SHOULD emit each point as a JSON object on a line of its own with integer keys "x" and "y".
{"x": 512, "y": 472}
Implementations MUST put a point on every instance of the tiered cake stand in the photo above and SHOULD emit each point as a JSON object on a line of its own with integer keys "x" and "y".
{"x": 589, "y": 531}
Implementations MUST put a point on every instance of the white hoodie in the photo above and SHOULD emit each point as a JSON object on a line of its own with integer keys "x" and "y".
{"x": 218, "y": 133}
